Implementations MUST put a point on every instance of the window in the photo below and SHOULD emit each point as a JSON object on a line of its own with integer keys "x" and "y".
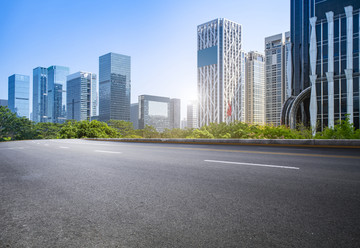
{"x": 336, "y": 29}
{"x": 343, "y": 26}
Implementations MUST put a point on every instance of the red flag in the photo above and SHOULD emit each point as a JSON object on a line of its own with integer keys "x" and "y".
{"x": 229, "y": 109}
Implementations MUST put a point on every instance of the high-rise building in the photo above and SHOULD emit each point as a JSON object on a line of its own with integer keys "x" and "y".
{"x": 221, "y": 72}
{"x": 183, "y": 123}
{"x": 255, "y": 88}
{"x": 18, "y": 94}
{"x": 40, "y": 95}
{"x": 277, "y": 75}
{"x": 114, "y": 87}
{"x": 57, "y": 93}
{"x": 175, "y": 106}
{"x": 81, "y": 96}
{"x": 134, "y": 115}
{"x": 156, "y": 111}
{"x": 325, "y": 57}
{"x": 192, "y": 113}
{"x": 3, "y": 102}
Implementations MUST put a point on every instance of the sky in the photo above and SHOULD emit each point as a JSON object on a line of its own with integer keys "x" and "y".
{"x": 160, "y": 37}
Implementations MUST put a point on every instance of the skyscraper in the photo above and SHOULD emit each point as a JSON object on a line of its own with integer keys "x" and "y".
{"x": 325, "y": 84}
{"x": 114, "y": 87}
{"x": 221, "y": 72}
{"x": 57, "y": 93}
{"x": 192, "y": 113}
{"x": 40, "y": 94}
{"x": 175, "y": 106}
{"x": 81, "y": 96}
{"x": 3, "y": 102}
{"x": 255, "y": 88}
{"x": 277, "y": 75}
{"x": 18, "y": 94}
{"x": 134, "y": 115}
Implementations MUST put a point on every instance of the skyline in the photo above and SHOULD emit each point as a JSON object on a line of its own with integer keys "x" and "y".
{"x": 75, "y": 34}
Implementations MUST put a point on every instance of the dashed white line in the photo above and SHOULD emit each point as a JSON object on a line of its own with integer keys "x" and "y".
{"x": 63, "y": 147}
{"x": 250, "y": 164}
{"x": 107, "y": 151}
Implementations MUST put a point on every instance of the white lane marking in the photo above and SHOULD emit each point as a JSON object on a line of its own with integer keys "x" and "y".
{"x": 79, "y": 143}
{"x": 12, "y": 148}
{"x": 106, "y": 151}
{"x": 63, "y": 147}
{"x": 261, "y": 165}
{"x": 46, "y": 144}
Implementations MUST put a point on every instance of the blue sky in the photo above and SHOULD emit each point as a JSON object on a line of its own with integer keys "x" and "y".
{"x": 160, "y": 37}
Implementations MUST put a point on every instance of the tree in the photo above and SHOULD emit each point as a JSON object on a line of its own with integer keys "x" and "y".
{"x": 125, "y": 128}
{"x": 13, "y": 127}
{"x": 149, "y": 132}
{"x": 48, "y": 130}
{"x": 7, "y": 123}
{"x": 85, "y": 129}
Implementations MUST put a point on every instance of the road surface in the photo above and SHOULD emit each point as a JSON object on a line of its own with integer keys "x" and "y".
{"x": 78, "y": 193}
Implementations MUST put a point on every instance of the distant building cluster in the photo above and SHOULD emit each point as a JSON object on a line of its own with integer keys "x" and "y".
{"x": 309, "y": 75}
{"x": 59, "y": 96}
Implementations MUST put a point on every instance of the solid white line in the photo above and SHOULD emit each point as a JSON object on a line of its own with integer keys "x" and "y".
{"x": 106, "y": 151}
{"x": 79, "y": 143}
{"x": 261, "y": 165}
{"x": 12, "y": 148}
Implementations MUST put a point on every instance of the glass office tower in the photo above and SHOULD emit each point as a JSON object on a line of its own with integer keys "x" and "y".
{"x": 57, "y": 93}
{"x": 277, "y": 75}
{"x": 114, "y": 87}
{"x": 334, "y": 63}
{"x": 81, "y": 96}
{"x": 154, "y": 111}
{"x": 221, "y": 72}
{"x": 134, "y": 115}
{"x": 3, "y": 102}
{"x": 255, "y": 88}
{"x": 175, "y": 106}
{"x": 191, "y": 114}
{"x": 40, "y": 93}
{"x": 18, "y": 94}
{"x": 325, "y": 61}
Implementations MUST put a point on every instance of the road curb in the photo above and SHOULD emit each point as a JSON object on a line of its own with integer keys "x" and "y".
{"x": 340, "y": 143}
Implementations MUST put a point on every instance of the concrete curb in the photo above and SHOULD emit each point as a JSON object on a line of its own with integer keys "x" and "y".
{"x": 256, "y": 142}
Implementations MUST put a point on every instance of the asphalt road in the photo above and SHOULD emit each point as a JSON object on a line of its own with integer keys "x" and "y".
{"x": 77, "y": 193}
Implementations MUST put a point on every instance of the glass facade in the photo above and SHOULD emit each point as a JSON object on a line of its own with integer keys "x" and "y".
{"x": 3, "y": 102}
{"x": 134, "y": 115}
{"x": 191, "y": 114}
{"x": 255, "y": 88}
{"x": 331, "y": 27}
{"x": 154, "y": 111}
{"x": 57, "y": 93}
{"x": 114, "y": 87}
{"x": 40, "y": 94}
{"x": 337, "y": 70}
{"x": 80, "y": 96}
{"x": 276, "y": 86}
{"x": 18, "y": 94}
{"x": 175, "y": 106}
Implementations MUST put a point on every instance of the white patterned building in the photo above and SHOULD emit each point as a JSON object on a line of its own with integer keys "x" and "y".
{"x": 221, "y": 72}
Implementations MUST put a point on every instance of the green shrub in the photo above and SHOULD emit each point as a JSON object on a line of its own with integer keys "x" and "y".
{"x": 342, "y": 130}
